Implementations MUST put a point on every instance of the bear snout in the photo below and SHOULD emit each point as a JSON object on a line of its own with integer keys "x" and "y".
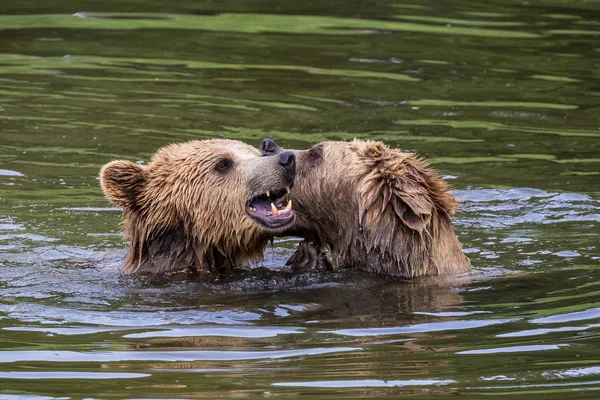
{"x": 287, "y": 160}
{"x": 269, "y": 148}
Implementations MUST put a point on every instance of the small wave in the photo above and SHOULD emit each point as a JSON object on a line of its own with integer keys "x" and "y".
{"x": 428, "y": 327}
{"x": 367, "y": 383}
{"x": 173, "y": 356}
{"x": 515, "y": 349}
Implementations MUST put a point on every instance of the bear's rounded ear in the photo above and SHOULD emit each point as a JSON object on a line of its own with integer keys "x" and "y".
{"x": 405, "y": 199}
{"x": 414, "y": 210}
{"x": 394, "y": 180}
{"x": 122, "y": 182}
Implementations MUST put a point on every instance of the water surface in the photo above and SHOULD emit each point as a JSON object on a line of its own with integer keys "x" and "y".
{"x": 501, "y": 96}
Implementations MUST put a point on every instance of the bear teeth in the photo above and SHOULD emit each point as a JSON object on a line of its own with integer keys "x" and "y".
{"x": 287, "y": 189}
{"x": 268, "y": 194}
{"x": 275, "y": 210}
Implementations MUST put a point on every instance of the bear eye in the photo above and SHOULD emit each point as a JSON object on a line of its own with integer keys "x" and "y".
{"x": 223, "y": 164}
{"x": 315, "y": 152}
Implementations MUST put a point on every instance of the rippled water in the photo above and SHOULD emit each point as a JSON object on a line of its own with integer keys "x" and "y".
{"x": 501, "y": 96}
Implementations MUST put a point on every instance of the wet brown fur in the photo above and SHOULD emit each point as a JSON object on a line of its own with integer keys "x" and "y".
{"x": 184, "y": 216}
{"x": 378, "y": 209}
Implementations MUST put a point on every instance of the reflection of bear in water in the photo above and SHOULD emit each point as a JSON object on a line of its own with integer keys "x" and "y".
{"x": 201, "y": 207}
{"x": 378, "y": 209}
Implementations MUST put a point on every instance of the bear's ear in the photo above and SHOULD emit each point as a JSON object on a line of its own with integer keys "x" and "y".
{"x": 412, "y": 204}
{"x": 393, "y": 182}
{"x": 122, "y": 182}
{"x": 408, "y": 200}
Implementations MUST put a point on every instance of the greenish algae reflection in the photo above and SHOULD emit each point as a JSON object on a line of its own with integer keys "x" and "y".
{"x": 500, "y": 126}
{"x": 52, "y": 66}
{"x": 494, "y": 104}
{"x": 246, "y": 23}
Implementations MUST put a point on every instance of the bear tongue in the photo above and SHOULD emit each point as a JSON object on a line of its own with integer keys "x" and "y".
{"x": 259, "y": 206}
{"x": 269, "y": 208}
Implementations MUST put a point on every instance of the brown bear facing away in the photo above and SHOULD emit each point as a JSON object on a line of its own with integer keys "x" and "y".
{"x": 200, "y": 207}
{"x": 377, "y": 209}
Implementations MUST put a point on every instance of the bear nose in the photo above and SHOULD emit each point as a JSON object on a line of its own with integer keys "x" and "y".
{"x": 287, "y": 160}
{"x": 268, "y": 147}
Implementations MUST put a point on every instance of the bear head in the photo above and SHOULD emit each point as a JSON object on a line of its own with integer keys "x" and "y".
{"x": 200, "y": 207}
{"x": 377, "y": 209}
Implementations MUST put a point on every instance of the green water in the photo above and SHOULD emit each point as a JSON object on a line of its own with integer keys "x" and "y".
{"x": 501, "y": 96}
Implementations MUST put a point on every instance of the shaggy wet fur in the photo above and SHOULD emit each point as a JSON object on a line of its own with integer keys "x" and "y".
{"x": 185, "y": 213}
{"x": 377, "y": 209}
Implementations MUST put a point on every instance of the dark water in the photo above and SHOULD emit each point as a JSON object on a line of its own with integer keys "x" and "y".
{"x": 502, "y": 96}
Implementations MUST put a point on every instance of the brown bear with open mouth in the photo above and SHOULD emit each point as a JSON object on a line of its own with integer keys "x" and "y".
{"x": 200, "y": 207}
{"x": 377, "y": 209}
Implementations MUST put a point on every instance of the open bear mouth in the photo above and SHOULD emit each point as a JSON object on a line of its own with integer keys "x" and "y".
{"x": 270, "y": 209}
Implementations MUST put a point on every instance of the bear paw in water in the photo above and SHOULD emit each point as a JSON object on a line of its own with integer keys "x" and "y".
{"x": 309, "y": 257}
